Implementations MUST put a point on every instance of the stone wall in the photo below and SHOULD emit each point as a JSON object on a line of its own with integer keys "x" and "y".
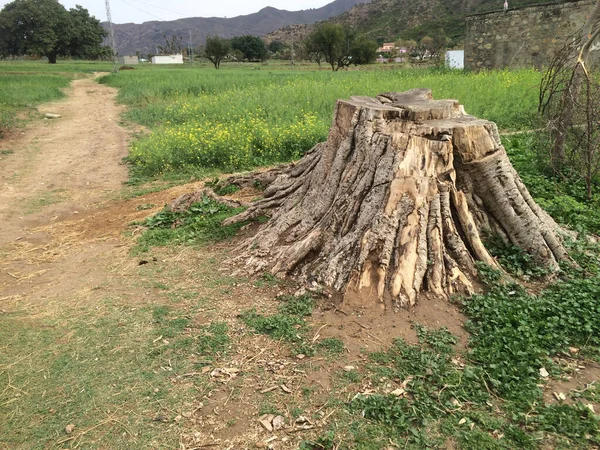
{"x": 523, "y": 37}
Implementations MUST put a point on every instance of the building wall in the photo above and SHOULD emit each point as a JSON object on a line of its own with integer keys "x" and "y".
{"x": 523, "y": 37}
{"x": 129, "y": 60}
{"x": 168, "y": 59}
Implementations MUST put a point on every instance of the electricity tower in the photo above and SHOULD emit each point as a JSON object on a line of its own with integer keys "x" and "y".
{"x": 111, "y": 35}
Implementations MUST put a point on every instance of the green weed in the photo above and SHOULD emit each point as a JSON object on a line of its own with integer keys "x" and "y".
{"x": 200, "y": 224}
{"x": 514, "y": 333}
{"x": 332, "y": 346}
{"x": 213, "y": 340}
{"x": 288, "y": 324}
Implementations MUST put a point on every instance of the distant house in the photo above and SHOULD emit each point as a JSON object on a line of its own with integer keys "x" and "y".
{"x": 387, "y": 47}
{"x": 167, "y": 59}
{"x": 129, "y": 60}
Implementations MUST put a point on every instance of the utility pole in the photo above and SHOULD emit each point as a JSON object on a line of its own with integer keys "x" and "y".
{"x": 191, "y": 49}
{"x": 111, "y": 36}
{"x": 292, "y": 49}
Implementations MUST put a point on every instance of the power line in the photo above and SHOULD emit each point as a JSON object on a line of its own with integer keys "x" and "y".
{"x": 164, "y": 9}
{"x": 141, "y": 10}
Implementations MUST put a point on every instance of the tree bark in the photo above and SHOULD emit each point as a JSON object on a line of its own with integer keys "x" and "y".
{"x": 396, "y": 203}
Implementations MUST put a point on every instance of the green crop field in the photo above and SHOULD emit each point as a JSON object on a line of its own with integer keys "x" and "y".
{"x": 237, "y": 119}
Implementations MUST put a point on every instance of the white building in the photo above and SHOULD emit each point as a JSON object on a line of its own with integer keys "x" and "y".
{"x": 128, "y": 59}
{"x": 167, "y": 59}
{"x": 455, "y": 59}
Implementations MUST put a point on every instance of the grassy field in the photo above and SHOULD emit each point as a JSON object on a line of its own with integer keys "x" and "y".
{"x": 135, "y": 370}
{"x": 25, "y": 84}
{"x": 237, "y": 119}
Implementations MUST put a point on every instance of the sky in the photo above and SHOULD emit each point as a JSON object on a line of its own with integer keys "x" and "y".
{"x": 139, "y": 11}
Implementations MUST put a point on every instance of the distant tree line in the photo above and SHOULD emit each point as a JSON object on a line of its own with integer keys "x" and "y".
{"x": 331, "y": 43}
{"x": 46, "y": 28}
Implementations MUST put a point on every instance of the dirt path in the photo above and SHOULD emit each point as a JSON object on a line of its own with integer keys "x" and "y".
{"x": 73, "y": 160}
{"x": 58, "y": 179}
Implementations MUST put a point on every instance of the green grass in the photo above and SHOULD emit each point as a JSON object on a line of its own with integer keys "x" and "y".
{"x": 200, "y": 224}
{"x": 26, "y": 84}
{"x": 237, "y": 119}
{"x": 288, "y": 324}
{"x": 25, "y": 91}
{"x": 101, "y": 369}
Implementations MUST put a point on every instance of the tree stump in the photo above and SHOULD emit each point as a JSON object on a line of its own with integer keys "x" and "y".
{"x": 396, "y": 203}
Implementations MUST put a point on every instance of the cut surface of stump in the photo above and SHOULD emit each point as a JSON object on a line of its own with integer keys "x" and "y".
{"x": 397, "y": 202}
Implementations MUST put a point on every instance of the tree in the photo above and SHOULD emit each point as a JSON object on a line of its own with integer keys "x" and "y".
{"x": 363, "y": 50}
{"x": 172, "y": 45}
{"x": 252, "y": 47}
{"x": 570, "y": 101}
{"x": 329, "y": 40}
{"x": 578, "y": 54}
{"x": 276, "y": 47}
{"x": 423, "y": 47}
{"x": 311, "y": 49}
{"x": 216, "y": 49}
{"x": 395, "y": 204}
{"x": 85, "y": 34}
{"x": 46, "y": 28}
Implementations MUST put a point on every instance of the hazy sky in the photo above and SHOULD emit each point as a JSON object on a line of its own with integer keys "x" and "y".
{"x": 139, "y": 11}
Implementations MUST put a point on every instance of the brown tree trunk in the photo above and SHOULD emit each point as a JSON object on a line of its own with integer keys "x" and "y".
{"x": 396, "y": 203}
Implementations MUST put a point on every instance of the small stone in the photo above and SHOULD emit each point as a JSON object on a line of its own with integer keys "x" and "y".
{"x": 349, "y": 368}
{"x": 590, "y": 407}
{"x": 559, "y": 396}
{"x": 266, "y": 421}
{"x": 544, "y": 373}
{"x": 398, "y": 392}
{"x": 278, "y": 422}
{"x": 52, "y": 116}
{"x": 300, "y": 356}
{"x": 69, "y": 428}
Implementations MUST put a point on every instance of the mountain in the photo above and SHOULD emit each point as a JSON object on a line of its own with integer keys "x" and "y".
{"x": 388, "y": 20}
{"x": 145, "y": 37}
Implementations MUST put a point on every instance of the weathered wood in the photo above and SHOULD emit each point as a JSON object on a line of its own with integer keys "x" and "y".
{"x": 397, "y": 202}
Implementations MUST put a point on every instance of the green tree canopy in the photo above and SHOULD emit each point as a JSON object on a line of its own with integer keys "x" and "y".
{"x": 363, "y": 50}
{"x": 339, "y": 47}
{"x": 216, "y": 49}
{"x": 252, "y": 47}
{"x": 276, "y": 46}
{"x": 46, "y": 28}
{"x": 330, "y": 40}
